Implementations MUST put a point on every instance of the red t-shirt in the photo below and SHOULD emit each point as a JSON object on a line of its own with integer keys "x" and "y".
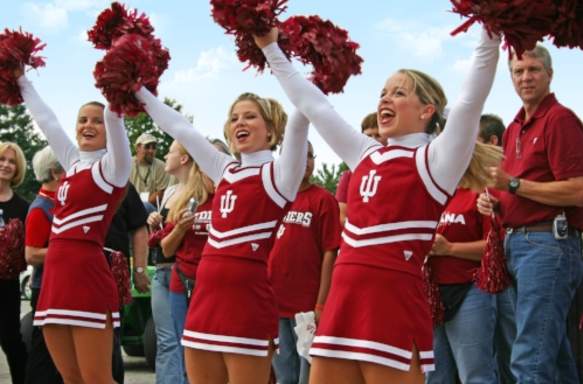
{"x": 547, "y": 147}
{"x": 459, "y": 223}
{"x": 38, "y": 226}
{"x": 310, "y": 228}
{"x": 342, "y": 188}
{"x": 190, "y": 250}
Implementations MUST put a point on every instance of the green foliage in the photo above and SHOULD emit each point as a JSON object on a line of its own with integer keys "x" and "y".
{"x": 328, "y": 175}
{"x": 142, "y": 123}
{"x": 16, "y": 126}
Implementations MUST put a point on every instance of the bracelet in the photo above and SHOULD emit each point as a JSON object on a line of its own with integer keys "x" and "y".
{"x": 319, "y": 307}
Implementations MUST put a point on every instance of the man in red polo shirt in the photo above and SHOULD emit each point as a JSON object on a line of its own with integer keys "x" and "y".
{"x": 541, "y": 200}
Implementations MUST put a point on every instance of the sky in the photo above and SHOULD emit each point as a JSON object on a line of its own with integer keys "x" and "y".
{"x": 205, "y": 76}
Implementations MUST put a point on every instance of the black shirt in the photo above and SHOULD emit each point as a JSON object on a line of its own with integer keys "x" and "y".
{"x": 16, "y": 207}
{"x": 130, "y": 216}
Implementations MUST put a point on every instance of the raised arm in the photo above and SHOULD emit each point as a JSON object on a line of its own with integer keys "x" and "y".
{"x": 451, "y": 151}
{"x": 347, "y": 142}
{"x": 117, "y": 162}
{"x": 290, "y": 167}
{"x": 211, "y": 161}
{"x": 66, "y": 152}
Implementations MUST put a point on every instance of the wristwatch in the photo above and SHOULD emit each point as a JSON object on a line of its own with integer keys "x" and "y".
{"x": 139, "y": 270}
{"x": 513, "y": 185}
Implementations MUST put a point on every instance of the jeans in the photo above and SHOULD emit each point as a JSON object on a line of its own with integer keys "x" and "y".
{"x": 464, "y": 345}
{"x": 178, "y": 308}
{"x": 290, "y": 368}
{"x": 546, "y": 274}
{"x": 169, "y": 367}
{"x": 505, "y": 333}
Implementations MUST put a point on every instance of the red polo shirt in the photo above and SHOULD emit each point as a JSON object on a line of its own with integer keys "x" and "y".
{"x": 547, "y": 147}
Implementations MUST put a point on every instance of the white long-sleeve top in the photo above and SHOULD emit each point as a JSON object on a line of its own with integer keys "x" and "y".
{"x": 288, "y": 169}
{"x": 449, "y": 153}
{"x": 115, "y": 158}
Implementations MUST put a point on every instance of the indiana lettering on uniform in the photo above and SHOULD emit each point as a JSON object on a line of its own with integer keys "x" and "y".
{"x": 301, "y": 218}
{"x": 452, "y": 218}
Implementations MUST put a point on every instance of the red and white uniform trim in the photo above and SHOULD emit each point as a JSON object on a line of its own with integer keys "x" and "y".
{"x": 389, "y": 233}
{"x": 71, "y": 317}
{"x": 84, "y": 216}
{"x": 229, "y": 344}
{"x": 241, "y": 235}
{"x": 374, "y": 352}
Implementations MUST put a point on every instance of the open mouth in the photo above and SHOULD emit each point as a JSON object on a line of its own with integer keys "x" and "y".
{"x": 241, "y": 134}
{"x": 386, "y": 115}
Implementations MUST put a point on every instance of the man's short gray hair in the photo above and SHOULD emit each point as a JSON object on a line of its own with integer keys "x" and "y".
{"x": 539, "y": 52}
{"x": 43, "y": 162}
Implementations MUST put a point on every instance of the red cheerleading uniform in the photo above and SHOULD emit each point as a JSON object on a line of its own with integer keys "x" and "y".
{"x": 233, "y": 308}
{"x": 460, "y": 223}
{"x": 79, "y": 289}
{"x": 393, "y": 210}
{"x": 310, "y": 228}
{"x": 189, "y": 253}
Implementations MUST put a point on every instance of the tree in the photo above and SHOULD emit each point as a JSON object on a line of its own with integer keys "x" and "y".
{"x": 16, "y": 126}
{"x": 329, "y": 175}
{"x": 142, "y": 123}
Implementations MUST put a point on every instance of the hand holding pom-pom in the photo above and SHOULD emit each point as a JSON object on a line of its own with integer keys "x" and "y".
{"x": 252, "y": 17}
{"x": 17, "y": 50}
{"x": 132, "y": 62}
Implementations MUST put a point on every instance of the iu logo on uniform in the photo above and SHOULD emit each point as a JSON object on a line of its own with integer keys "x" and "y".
{"x": 369, "y": 185}
{"x": 63, "y": 192}
{"x": 227, "y": 203}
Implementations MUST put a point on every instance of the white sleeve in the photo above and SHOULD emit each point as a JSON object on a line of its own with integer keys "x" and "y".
{"x": 64, "y": 149}
{"x": 348, "y": 143}
{"x": 290, "y": 167}
{"x": 210, "y": 160}
{"x": 117, "y": 162}
{"x": 451, "y": 151}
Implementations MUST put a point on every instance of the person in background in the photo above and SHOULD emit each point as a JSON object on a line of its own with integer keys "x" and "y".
{"x": 491, "y": 129}
{"x": 40, "y": 368}
{"x": 369, "y": 127}
{"x": 147, "y": 173}
{"x": 541, "y": 206}
{"x": 300, "y": 268}
{"x": 12, "y": 206}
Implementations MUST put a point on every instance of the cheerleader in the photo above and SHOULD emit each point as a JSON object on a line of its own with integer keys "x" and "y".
{"x": 78, "y": 305}
{"x": 376, "y": 326}
{"x": 231, "y": 327}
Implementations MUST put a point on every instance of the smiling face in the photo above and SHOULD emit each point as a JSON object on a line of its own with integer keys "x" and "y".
{"x": 248, "y": 130}
{"x": 400, "y": 112}
{"x": 90, "y": 128}
{"x": 8, "y": 165}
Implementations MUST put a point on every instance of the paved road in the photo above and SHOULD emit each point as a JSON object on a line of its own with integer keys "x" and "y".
{"x": 137, "y": 371}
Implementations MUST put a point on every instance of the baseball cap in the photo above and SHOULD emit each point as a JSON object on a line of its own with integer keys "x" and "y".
{"x": 146, "y": 138}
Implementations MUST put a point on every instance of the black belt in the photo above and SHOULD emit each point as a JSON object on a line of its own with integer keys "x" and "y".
{"x": 545, "y": 226}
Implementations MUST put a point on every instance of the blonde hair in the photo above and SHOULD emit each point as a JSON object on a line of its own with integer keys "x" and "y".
{"x": 194, "y": 187}
{"x": 476, "y": 175}
{"x": 271, "y": 111}
{"x": 20, "y": 162}
{"x": 429, "y": 91}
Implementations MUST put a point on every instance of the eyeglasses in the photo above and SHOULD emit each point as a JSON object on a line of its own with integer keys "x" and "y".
{"x": 150, "y": 146}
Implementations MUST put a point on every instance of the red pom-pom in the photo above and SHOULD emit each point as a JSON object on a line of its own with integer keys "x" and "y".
{"x": 568, "y": 29}
{"x": 115, "y": 22}
{"x": 121, "y": 275}
{"x": 157, "y": 236}
{"x": 12, "y": 260}
{"x": 493, "y": 276}
{"x": 326, "y": 47}
{"x": 132, "y": 62}
{"x": 521, "y": 22}
{"x": 433, "y": 295}
{"x": 17, "y": 50}
{"x": 253, "y": 17}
